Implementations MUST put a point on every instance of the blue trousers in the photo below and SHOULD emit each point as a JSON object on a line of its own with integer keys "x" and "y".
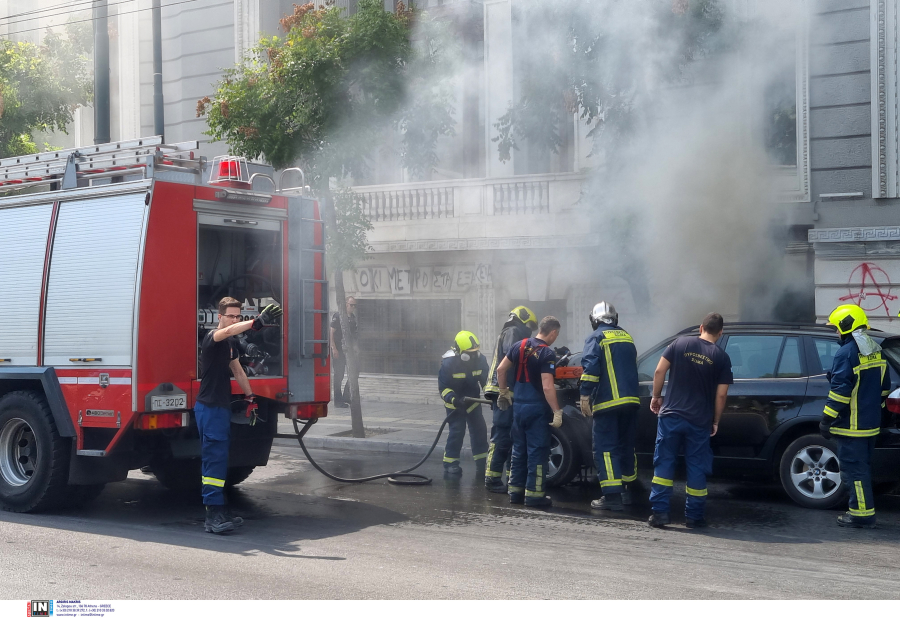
{"x": 673, "y": 433}
{"x": 477, "y": 434}
{"x": 530, "y": 448}
{"x": 501, "y": 441}
{"x": 215, "y": 432}
{"x": 855, "y": 455}
{"x": 614, "y": 435}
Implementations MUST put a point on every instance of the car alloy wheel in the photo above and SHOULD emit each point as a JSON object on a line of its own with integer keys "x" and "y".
{"x": 816, "y": 472}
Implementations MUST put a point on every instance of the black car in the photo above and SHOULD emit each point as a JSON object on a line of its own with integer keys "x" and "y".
{"x": 770, "y": 427}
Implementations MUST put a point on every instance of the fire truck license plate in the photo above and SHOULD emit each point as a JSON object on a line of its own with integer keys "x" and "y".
{"x": 172, "y": 402}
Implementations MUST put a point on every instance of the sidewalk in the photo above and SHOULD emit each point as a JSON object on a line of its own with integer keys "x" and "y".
{"x": 408, "y": 428}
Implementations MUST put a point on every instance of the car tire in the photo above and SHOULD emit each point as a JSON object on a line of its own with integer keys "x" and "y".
{"x": 810, "y": 473}
{"x": 34, "y": 458}
{"x": 238, "y": 475}
{"x": 565, "y": 461}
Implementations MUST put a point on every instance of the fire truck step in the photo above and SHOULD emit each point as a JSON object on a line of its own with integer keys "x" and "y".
{"x": 91, "y": 453}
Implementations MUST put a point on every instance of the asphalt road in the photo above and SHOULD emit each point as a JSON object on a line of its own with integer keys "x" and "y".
{"x": 310, "y": 538}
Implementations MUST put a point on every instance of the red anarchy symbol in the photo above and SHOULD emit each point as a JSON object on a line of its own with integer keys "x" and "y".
{"x": 868, "y": 272}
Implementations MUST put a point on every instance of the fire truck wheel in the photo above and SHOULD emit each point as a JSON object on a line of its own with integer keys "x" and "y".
{"x": 34, "y": 458}
{"x": 238, "y": 474}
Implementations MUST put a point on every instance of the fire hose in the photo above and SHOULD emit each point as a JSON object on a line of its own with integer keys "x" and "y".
{"x": 400, "y": 477}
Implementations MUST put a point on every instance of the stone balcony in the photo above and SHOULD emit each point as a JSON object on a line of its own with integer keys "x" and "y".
{"x": 478, "y": 213}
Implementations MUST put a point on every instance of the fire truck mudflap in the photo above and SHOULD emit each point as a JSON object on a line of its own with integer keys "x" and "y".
{"x": 117, "y": 269}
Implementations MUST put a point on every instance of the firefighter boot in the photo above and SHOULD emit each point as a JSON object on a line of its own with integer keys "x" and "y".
{"x": 538, "y": 501}
{"x": 516, "y": 497}
{"x": 494, "y": 485}
{"x": 216, "y": 520}
{"x": 694, "y": 523}
{"x": 452, "y": 469}
{"x": 610, "y": 502}
{"x": 659, "y": 519}
{"x": 235, "y": 520}
{"x": 852, "y": 521}
{"x": 626, "y": 497}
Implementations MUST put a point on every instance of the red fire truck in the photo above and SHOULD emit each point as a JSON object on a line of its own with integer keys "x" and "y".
{"x": 112, "y": 261}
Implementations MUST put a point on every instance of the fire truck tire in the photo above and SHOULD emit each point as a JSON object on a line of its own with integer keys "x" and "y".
{"x": 238, "y": 475}
{"x": 34, "y": 458}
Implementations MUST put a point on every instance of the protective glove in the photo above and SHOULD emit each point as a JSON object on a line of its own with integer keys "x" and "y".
{"x": 586, "y": 406}
{"x": 267, "y": 317}
{"x": 825, "y": 430}
{"x": 453, "y": 400}
{"x": 557, "y": 418}
{"x": 504, "y": 400}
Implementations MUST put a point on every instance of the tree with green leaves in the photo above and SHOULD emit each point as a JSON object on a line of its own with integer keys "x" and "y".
{"x": 41, "y": 86}
{"x": 322, "y": 96}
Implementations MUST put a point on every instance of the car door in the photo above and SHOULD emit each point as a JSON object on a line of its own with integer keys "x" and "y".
{"x": 770, "y": 381}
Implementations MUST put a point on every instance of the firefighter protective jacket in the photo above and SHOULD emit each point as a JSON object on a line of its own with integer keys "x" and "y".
{"x": 859, "y": 385}
{"x": 513, "y": 332}
{"x": 610, "y": 374}
{"x": 458, "y": 379}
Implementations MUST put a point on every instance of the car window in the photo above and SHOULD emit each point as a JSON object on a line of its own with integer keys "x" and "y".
{"x": 789, "y": 365}
{"x": 826, "y": 349}
{"x": 753, "y": 356}
{"x": 647, "y": 366}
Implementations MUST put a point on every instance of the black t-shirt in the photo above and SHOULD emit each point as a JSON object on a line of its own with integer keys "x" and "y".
{"x": 215, "y": 374}
{"x": 539, "y": 359}
{"x": 338, "y": 333}
{"x": 698, "y": 367}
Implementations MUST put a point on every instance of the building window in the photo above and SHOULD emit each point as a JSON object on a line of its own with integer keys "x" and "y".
{"x": 406, "y": 336}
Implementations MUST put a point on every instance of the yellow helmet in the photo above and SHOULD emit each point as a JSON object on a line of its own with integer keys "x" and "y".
{"x": 465, "y": 341}
{"x": 847, "y": 318}
{"x": 526, "y": 315}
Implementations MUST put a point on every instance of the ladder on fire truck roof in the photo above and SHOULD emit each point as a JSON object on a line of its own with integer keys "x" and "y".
{"x": 73, "y": 167}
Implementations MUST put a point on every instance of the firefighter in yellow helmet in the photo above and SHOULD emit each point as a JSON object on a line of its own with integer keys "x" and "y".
{"x": 463, "y": 373}
{"x": 860, "y": 382}
{"x": 519, "y": 326}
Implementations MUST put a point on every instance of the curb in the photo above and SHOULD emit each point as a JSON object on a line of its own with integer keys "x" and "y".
{"x": 370, "y": 446}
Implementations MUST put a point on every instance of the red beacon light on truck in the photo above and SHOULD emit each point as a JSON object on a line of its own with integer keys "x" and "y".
{"x": 228, "y": 171}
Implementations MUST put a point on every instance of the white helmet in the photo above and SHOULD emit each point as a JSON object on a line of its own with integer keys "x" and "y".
{"x": 604, "y": 312}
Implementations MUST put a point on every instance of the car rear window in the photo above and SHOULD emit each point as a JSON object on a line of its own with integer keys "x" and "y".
{"x": 891, "y": 348}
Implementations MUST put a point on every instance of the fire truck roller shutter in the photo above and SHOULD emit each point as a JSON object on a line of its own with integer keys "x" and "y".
{"x": 93, "y": 273}
{"x": 23, "y": 245}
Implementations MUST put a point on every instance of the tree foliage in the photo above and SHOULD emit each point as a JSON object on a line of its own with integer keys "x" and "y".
{"x": 349, "y": 245}
{"x": 42, "y": 86}
{"x": 323, "y": 94}
{"x": 587, "y": 58}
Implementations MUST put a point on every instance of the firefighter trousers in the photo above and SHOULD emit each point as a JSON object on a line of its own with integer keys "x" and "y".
{"x": 855, "y": 455}
{"x": 614, "y": 458}
{"x": 674, "y": 433}
{"x": 214, "y": 425}
{"x": 530, "y": 448}
{"x": 501, "y": 441}
{"x": 477, "y": 435}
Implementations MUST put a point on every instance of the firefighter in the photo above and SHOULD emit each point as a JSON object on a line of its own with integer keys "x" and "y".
{"x": 463, "y": 373}
{"x": 852, "y": 416}
{"x": 218, "y": 362}
{"x": 609, "y": 395}
{"x": 533, "y": 365}
{"x": 699, "y": 375}
{"x": 519, "y": 326}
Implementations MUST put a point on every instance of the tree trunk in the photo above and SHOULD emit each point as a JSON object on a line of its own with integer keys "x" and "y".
{"x": 351, "y": 350}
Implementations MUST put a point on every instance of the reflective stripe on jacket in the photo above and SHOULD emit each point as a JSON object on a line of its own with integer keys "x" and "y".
{"x": 859, "y": 386}
{"x": 461, "y": 379}
{"x": 610, "y": 375}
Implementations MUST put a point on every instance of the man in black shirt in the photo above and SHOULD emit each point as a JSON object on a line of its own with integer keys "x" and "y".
{"x": 338, "y": 359}
{"x": 699, "y": 375}
{"x": 218, "y": 362}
